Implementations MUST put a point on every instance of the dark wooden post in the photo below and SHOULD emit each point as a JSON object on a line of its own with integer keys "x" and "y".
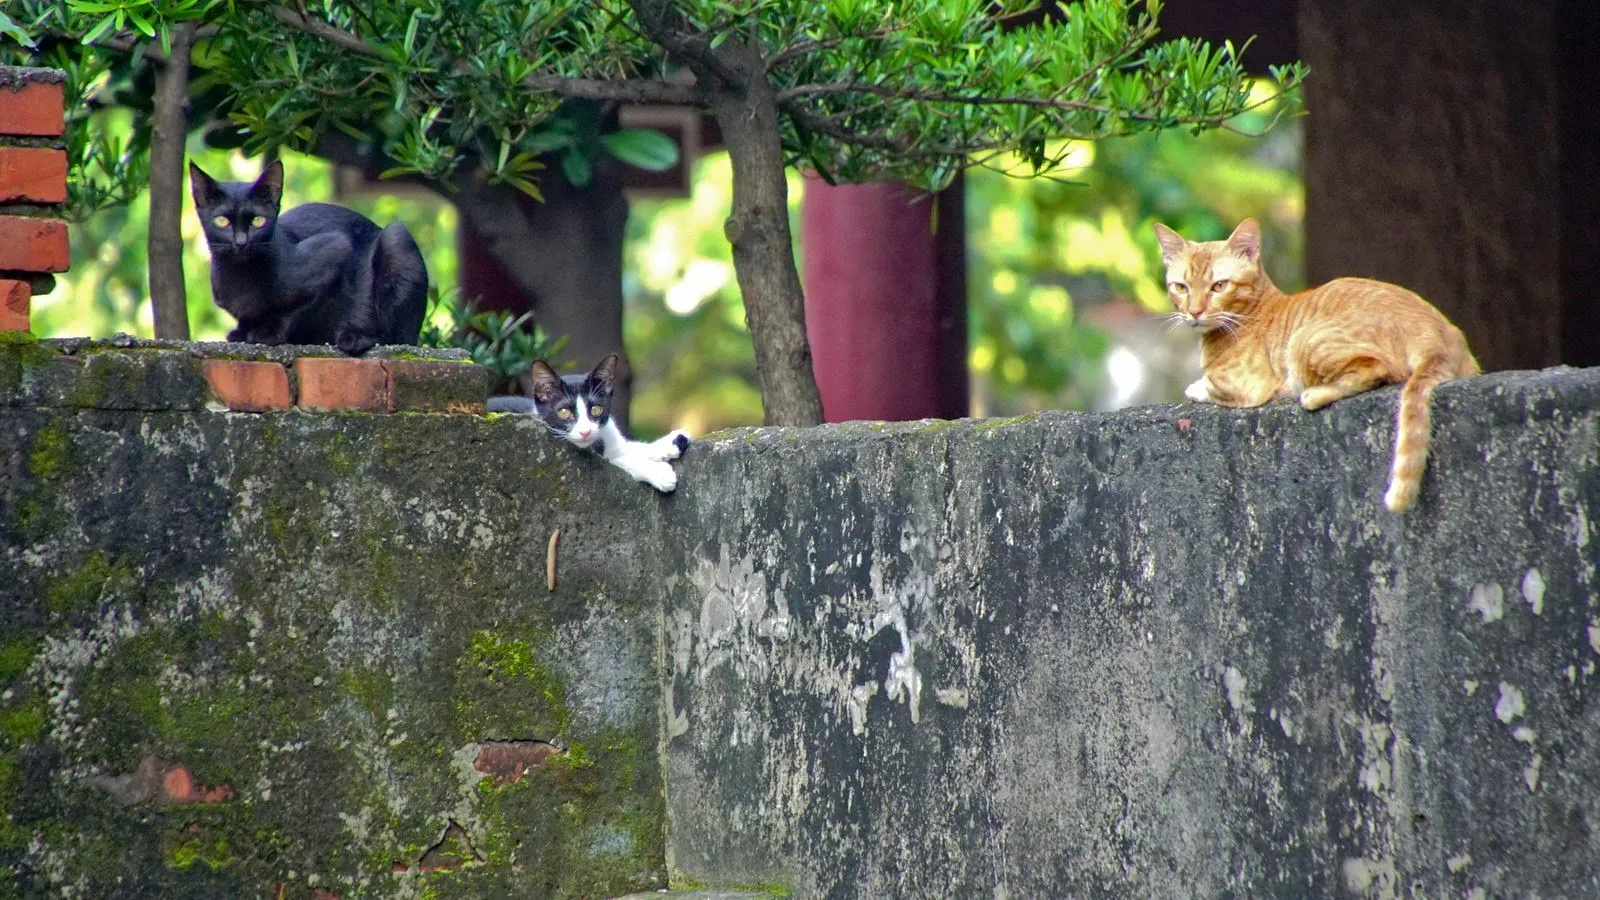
{"x": 1450, "y": 149}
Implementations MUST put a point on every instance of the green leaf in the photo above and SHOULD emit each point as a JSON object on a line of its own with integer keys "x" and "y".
{"x": 11, "y": 30}
{"x": 99, "y": 29}
{"x": 643, "y": 148}
{"x": 575, "y": 166}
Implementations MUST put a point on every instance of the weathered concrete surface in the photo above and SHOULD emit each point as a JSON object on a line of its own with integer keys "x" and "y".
{"x": 1173, "y": 652}
{"x": 1178, "y": 651}
{"x": 259, "y": 656}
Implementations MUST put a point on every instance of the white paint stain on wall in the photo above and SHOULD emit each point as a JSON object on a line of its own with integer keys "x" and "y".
{"x": 1488, "y": 601}
{"x": 1510, "y": 705}
{"x": 1233, "y": 681}
{"x": 903, "y": 683}
{"x": 1533, "y": 591}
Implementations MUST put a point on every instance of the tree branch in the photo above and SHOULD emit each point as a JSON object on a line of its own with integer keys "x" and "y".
{"x": 337, "y": 36}
{"x": 880, "y": 139}
{"x": 693, "y": 51}
{"x": 651, "y": 92}
{"x": 642, "y": 91}
{"x": 900, "y": 93}
{"x": 130, "y": 42}
{"x": 808, "y": 45}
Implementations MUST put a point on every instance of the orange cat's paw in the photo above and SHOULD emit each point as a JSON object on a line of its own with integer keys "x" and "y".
{"x": 1318, "y": 397}
{"x": 1199, "y": 392}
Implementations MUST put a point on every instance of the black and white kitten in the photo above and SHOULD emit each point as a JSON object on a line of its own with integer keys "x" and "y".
{"x": 318, "y": 274}
{"x": 577, "y": 408}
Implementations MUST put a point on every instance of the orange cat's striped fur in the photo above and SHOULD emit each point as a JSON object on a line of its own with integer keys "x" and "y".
{"x": 1321, "y": 345}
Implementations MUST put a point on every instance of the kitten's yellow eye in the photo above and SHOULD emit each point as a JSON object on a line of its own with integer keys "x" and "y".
{"x": 563, "y": 413}
{"x": 258, "y": 221}
{"x": 1178, "y": 287}
{"x": 220, "y": 221}
{"x": 596, "y": 412}
{"x": 1219, "y": 286}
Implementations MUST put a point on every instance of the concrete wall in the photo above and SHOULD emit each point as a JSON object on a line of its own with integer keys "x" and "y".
{"x": 1172, "y": 652}
{"x": 297, "y": 655}
{"x": 1176, "y": 651}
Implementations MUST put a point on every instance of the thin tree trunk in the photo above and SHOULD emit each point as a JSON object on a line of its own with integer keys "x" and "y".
{"x": 763, "y": 246}
{"x": 169, "y": 125}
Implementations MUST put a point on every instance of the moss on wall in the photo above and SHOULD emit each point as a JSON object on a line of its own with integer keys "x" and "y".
{"x": 310, "y": 623}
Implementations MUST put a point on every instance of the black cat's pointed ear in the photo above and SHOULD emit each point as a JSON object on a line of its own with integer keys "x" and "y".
{"x": 269, "y": 186}
{"x": 604, "y": 375}
{"x": 202, "y": 187}
{"x": 1172, "y": 243}
{"x": 548, "y": 389}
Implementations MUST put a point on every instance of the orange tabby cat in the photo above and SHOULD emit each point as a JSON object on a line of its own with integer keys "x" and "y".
{"x": 1324, "y": 344}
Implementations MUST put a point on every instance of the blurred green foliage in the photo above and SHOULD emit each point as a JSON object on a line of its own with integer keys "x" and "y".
{"x": 1041, "y": 254}
{"x": 1044, "y": 252}
{"x": 683, "y": 318}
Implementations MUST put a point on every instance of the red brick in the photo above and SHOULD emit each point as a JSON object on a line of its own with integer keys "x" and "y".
{"x": 506, "y": 761}
{"x": 33, "y": 175}
{"x": 14, "y": 303}
{"x": 248, "y": 386}
{"x": 35, "y": 109}
{"x": 343, "y": 384}
{"x": 178, "y": 786}
{"x": 33, "y": 245}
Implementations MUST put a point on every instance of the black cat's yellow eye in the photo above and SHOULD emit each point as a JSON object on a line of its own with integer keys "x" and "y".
{"x": 1219, "y": 286}
{"x": 258, "y": 221}
{"x": 220, "y": 221}
{"x": 596, "y": 412}
{"x": 563, "y": 413}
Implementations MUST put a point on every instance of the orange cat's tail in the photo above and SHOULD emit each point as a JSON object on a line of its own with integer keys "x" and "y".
{"x": 1412, "y": 432}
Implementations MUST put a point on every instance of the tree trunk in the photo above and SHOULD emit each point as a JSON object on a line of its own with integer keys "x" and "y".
{"x": 763, "y": 246}
{"x": 561, "y": 258}
{"x": 168, "y": 126}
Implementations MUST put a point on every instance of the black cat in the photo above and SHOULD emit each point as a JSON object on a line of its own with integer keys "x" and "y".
{"x": 319, "y": 274}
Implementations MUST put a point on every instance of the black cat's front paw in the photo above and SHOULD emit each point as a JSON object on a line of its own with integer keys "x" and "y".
{"x": 681, "y": 441}
{"x": 243, "y": 335}
{"x": 354, "y": 344}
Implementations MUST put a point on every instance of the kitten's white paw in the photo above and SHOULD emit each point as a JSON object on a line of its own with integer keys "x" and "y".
{"x": 657, "y": 474}
{"x": 1199, "y": 392}
{"x": 667, "y": 447}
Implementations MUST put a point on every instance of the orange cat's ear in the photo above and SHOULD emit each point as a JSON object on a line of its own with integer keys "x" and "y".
{"x": 1172, "y": 243}
{"x": 1246, "y": 240}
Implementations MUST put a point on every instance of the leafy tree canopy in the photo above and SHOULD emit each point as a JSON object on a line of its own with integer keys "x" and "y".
{"x": 460, "y": 92}
{"x": 912, "y": 90}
